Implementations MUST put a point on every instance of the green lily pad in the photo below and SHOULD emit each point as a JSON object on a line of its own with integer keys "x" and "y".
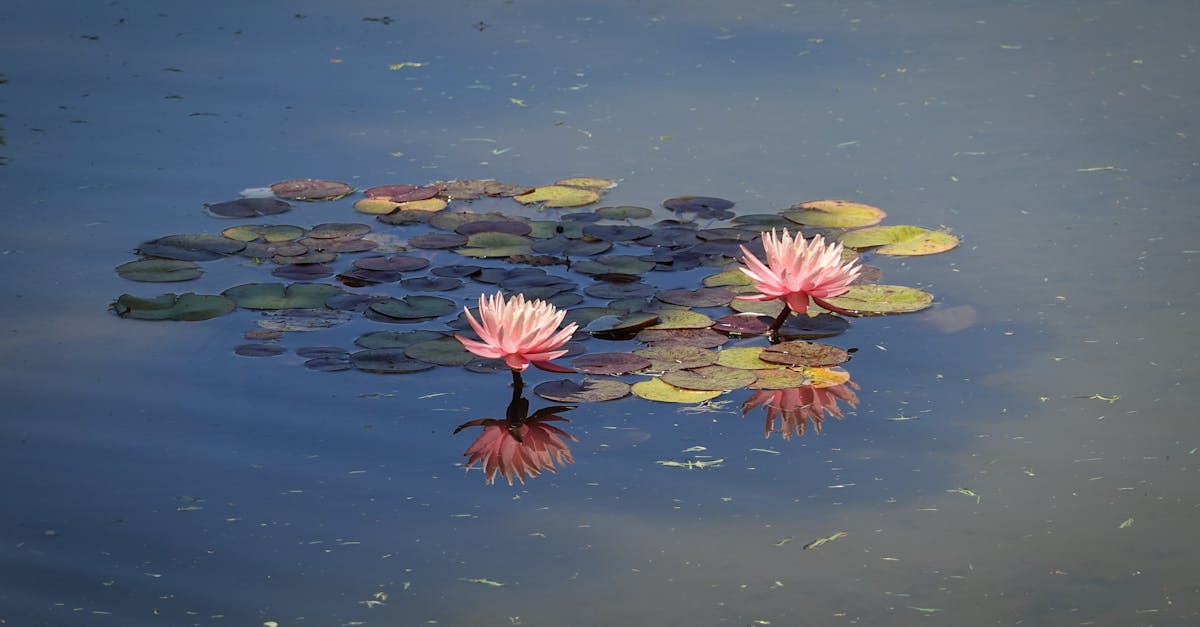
{"x": 620, "y": 327}
{"x": 302, "y": 271}
{"x": 588, "y": 391}
{"x": 442, "y": 351}
{"x": 511, "y": 227}
{"x": 701, "y": 338}
{"x": 396, "y": 339}
{"x": 265, "y": 232}
{"x": 622, "y": 264}
{"x": 394, "y": 263}
{"x": 835, "y": 214}
{"x": 668, "y": 357}
{"x": 714, "y": 377}
{"x": 681, "y": 319}
{"x": 191, "y": 247}
{"x": 623, "y": 212}
{"x": 339, "y": 230}
{"x": 278, "y": 296}
{"x": 261, "y": 349}
{"x": 311, "y": 189}
{"x": 495, "y": 244}
{"x": 733, "y": 279}
{"x": 587, "y": 182}
{"x": 617, "y": 291}
{"x": 414, "y": 307}
{"x": 159, "y": 270}
{"x": 374, "y": 206}
{"x": 188, "y": 307}
{"x": 804, "y": 354}
{"x": 703, "y": 297}
{"x": 657, "y": 390}
{"x": 900, "y": 240}
{"x": 559, "y": 196}
{"x": 387, "y": 361}
{"x": 881, "y": 300}
{"x": 437, "y": 241}
{"x": 616, "y": 233}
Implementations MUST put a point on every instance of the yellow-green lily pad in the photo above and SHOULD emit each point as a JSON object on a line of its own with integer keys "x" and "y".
{"x": 881, "y": 300}
{"x": 841, "y": 214}
{"x": 495, "y": 244}
{"x": 559, "y": 196}
{"x": 714, "y": 377}
{"x": 798, "y": 353}
{"x": 900, "y": 240}
{"x": 780, "y": 379}
{"x": 159, "y": 270}
{"x": 269, "y": 296}
{"x": 746, "y": 358}
{"x": 681, "y": 319}
{"x": 657, "y": 390}
{"x": 588, "y": 391}
{"x": 667, "y": 357}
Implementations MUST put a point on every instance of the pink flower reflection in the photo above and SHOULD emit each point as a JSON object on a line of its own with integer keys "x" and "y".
{"x": 795, "y": 408}
{"x": 797, "y": 269}
{"x": 519, "y": 448}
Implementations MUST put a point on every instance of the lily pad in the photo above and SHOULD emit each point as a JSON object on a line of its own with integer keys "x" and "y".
{"x": 743, "y": 324}
{"x": 703, "y": 297}
{"x": 303, "y": 271}
{"x": 610, "y": 363}
{"x": 702, "y": 338}
{"x": 571, "y": 247}
{"x": 261, "y": 349}
{"x": 494, "y": 244}
{"x": 804, "y": 354}
{"x": 277, "y": 296}
{"x": 798, "y": 327}
{"x": 396, "y": 339}
{"x": 311, "y": 189}
{"x": 339, "y": 230}
{"x": 616, "y": 233}
{"x": 387, "y": 361}
{"x": 191, "y": 247}
{"x": 431, "y": 284}
{"x": 657, "y": 390}
{"x": 613, "y": 291}
{"x": 623, "y": 264}
{"x": 394, "y": 263}
{"x": 835, "y": 214}
{"x": 668, "y": 357}
{"x": 682, "y": 319}
{"x": 189, "y": 307}
{"x": 620, "y": 328}
{"x": 442, "y": 351}
{"x": 429, "y": 205}
{"x": 779, "y": 379}
{"x": 587, "y": 182}
{"x": 588, "y": 391}
{"x": 414, "y": 307}
{"x": 881, "y": 300}
{"x": 437, "y": 241}
{"x": 900, "y": 240}
{"x": 308, "y": 256}
{"x": 301, "y": 320}
{"x": 746, "y": 358}
{"x": 512, "y": 227}
{"x": 159, "y": 270}
{"x": 827, "y": 377}
{"x": 403, "y": 193}
{"x": 376, "y": 206}
{"x": 623, "y": 212}
{"x": 714, "y": 377}
{"x": 248, "y": 207}
{"x": 559, "y": 196}
{"x": 705, "y": 207}
{"x": 265, "y": 232}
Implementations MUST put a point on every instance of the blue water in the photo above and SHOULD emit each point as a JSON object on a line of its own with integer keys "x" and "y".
{"x": 151, "y": 476}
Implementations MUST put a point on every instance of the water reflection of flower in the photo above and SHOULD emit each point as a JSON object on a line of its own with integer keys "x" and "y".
{"x": 519, "y": 445}
{"x": 794, "y": 408}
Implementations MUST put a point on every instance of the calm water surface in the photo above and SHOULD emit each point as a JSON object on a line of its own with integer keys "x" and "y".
{"x": 152, "y": 477}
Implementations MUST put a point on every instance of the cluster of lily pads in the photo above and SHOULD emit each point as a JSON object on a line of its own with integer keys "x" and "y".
{"x": 433, "y": 247}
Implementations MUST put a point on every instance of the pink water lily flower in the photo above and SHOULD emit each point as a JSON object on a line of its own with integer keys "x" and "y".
{"x": 799, "y": 269}
{"x": 519, "y": 331}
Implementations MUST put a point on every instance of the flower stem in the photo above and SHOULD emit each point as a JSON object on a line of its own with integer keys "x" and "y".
{"x": 773, "y": 332}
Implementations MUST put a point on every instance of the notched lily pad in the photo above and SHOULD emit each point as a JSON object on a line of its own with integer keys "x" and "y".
{"x": 701, "y": 338}
{"x": 780, "y": 379}
{"x": 188, "y": 307}
{"x": 703, "y": 297}
{"x": 620, "y": 328}
{"x": 705, "y": 207}
{"x": 394, "y": 263}
{"x": 266, "y": 232}
{"x": 881, "y": 300}
{"x": 248, "y": 207}
{"x": 559, "y": 196}
{"x": 681, "y": 319}
{"x": 657, "y": 390}
{"x": 396, "y": 339}
{"x": 442, "y": 351}
{"x": 610, "y": 363}
{"x": 900, "y": 240}
{"x": 387, "y": 361}
{"x": 804, "y": 354}
{"x": 623, "y": 212}
{"x": 159, "y": 270}
{"x": 311, "y": 189}
{"x": 495, "y": 244}
{"x": 714, "y": 377}
{"x": 191, "y": 247}
{"x": 588, "y": 391}
{"x": 277, "y": 296}
{"x": 668, "y": 357}
{"x": 835, "y": 214}
{"x": 745, "y": 358}
{"x": 339, "y": 230}
{"x": 414, "y": 307}
{"x": 261, "y": 349}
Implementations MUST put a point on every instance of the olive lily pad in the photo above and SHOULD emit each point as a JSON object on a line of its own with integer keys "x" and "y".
{"x": 587, "y": 182}
{"x": 159, "y": 270}
{"x": 248, "y": 207}
{"x": 656, "y": 390}
{"x": 265, "y": 232}
{"x": 623, "y": 212}
{"x": 705, "y": 207}
{"x": 414, "y": 307}
{"x": 396, "y": 339}
{"x": 746, "y": 358}
{"x": 495, "y": 244}
{"x": 394, "y": 263}
{"x": 189, "y": 307}
{"x": 667, "y": 357}
{"x": 442, "y": 351}
{"x": 311, "y": 189}
{"x": 682, "y": 319}
{"x": 559, "y": 196}
{"x": 191, "y": 247}
{"x": 376, "y": 206}
{"x": 277, "y": 296}
{"x": 620, "y": 328}
{"x": 387, "y": 361}
{"x": 339, "y": 230}
{"x": 835, "y": 214}
{"x": 262, "y": 349}
{"x": 623, "y": 264}
{"x": 610, "y": 363}
{"x": 780, "y": 379}
{"x": 714, "y": 377}
{"x": 588, "y": 391}
{"x": 900, "y": 240}
{"x": 880, "y": 300}
{"x": 804, "y": 354}
{"x": 827, "y": 377}
{"x": 703, "y": 297}
{"x": 702, "y": 338}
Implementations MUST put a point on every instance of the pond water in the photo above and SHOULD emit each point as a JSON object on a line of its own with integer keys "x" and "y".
{"x": 1047, "y": 471}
